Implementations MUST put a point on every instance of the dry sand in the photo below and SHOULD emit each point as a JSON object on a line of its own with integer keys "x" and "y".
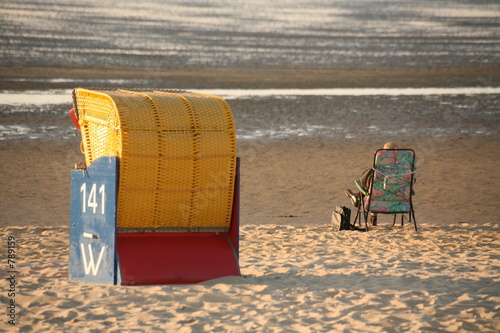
{"x": 295, "y": 279}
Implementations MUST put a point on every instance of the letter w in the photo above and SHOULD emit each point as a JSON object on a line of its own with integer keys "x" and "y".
{"x": 90, "y": 264}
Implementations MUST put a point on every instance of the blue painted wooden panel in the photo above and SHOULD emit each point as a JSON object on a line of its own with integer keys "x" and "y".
{"x": 92, "y": 252}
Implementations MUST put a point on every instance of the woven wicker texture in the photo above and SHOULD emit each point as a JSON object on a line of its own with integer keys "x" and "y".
{"x": 177, "y": 153}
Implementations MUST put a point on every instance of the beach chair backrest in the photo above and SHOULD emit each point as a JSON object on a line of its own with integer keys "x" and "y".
{"x": 392, "y": 186}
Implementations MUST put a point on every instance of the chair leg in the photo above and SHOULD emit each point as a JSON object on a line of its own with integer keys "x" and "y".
{"x": 403, "y": 216}
{"x": 357, "y": 218}
{"x": 362, "y": 211}
{"x": 414, "y": 220}
{"x": 365, "y": 215}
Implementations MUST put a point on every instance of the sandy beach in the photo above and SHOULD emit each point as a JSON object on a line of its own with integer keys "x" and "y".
{"x": 298, "y": 155}
{"x": 298, "y": 275}
{"x": 294, "y": 279}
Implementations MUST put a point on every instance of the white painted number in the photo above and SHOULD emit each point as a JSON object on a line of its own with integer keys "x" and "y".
{"x": 91, "y": 201}
{"x": 83, "y": 189}
{"x": 102, "y": 192}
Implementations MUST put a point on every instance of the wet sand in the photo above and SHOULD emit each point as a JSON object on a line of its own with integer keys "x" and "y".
{"x": 287, "y": 181}
{"x": 299, "y": 77}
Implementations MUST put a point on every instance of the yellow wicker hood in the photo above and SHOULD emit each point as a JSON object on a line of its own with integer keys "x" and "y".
{"x": 177, "y": 155}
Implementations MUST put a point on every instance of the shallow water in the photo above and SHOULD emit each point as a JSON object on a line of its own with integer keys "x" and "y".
{"x": 280, "y": 114}
{"x": 41, "y": 97}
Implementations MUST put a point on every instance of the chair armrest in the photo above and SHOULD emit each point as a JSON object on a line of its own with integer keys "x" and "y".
{"x": 361, "y": 188}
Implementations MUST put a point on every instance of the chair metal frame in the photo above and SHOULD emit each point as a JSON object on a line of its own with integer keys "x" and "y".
{"x": 366, "y": 196}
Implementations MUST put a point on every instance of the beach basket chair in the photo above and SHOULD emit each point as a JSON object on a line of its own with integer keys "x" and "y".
{"x": 391, "y": 190}
{"x": 174, "y": 208}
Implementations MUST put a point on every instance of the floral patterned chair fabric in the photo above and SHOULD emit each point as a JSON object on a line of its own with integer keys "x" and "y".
{"x": 392, "y": 182}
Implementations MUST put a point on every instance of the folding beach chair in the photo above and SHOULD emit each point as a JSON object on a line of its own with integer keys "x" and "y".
{"x": 391, "y": 189}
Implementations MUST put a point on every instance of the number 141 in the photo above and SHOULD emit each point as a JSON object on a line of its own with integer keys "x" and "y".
{"x": 91, "y": 201}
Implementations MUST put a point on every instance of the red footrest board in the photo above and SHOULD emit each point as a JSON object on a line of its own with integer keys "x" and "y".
{"x": 175, "y": 258}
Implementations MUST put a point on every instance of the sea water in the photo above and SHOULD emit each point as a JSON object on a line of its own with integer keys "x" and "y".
{"x": 259, "y": 33}
{"x": 249, "y": 33}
